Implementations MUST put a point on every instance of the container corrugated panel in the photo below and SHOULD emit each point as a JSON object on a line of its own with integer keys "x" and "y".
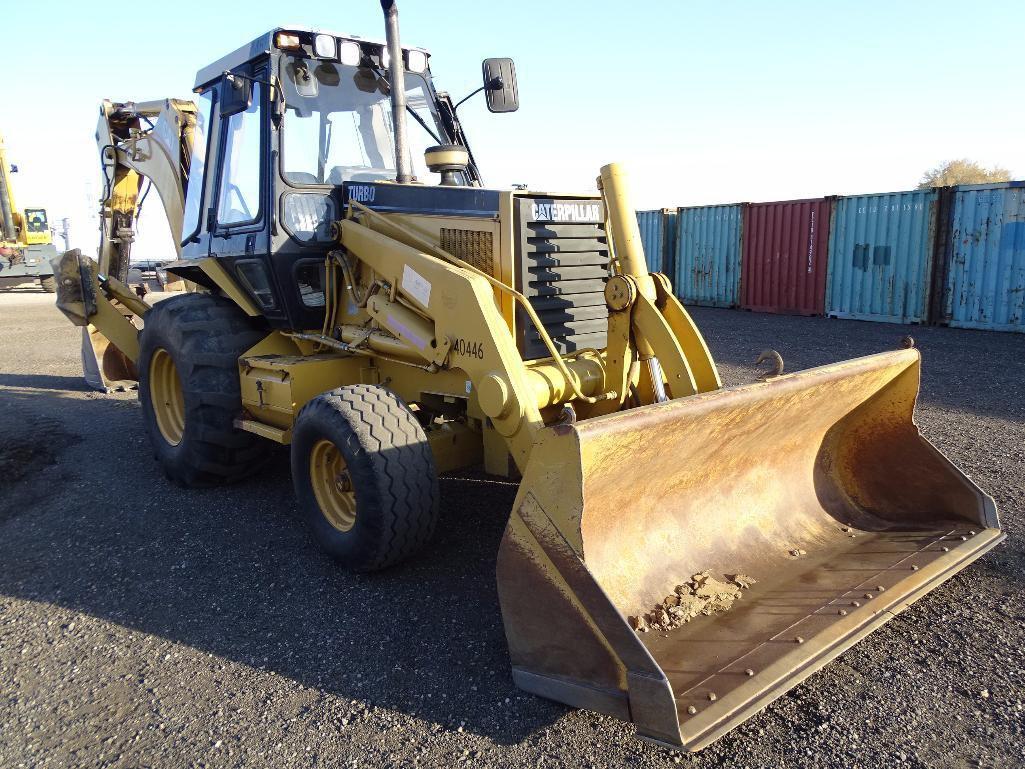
{"x": 783, "y": 263}
{"x": 880, "y": 256}
{"x": 986, "y": 271}
{"x": 669, "y": 230}
{"x": 708, "y": 255}
{"x": 652, "y": 225}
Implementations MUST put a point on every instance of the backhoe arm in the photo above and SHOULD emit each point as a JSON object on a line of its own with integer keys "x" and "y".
{"x": 137, "y": 141}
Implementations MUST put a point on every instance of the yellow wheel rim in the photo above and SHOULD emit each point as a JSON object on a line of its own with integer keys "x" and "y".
{"x": 165, "y": 390}
{"x": 332, "y": 485}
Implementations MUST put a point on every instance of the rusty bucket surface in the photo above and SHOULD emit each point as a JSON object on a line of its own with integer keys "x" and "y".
{"x": 816, "y": 485}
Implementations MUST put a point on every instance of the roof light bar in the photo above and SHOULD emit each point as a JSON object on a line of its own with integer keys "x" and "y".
{"x": 416, "y": 61}
{"x": 325, "y": 47}
{"x": 350, "y": 53}
{"x": 288, "y": 41}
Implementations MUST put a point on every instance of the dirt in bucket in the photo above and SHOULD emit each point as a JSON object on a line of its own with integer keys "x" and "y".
{"x": 702, "y": 594}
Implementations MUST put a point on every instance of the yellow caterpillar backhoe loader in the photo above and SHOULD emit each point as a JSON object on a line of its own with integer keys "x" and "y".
{"x": 679, "y": 554}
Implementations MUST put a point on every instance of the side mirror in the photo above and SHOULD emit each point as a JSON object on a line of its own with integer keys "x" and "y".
{"x": 236, "y": 94}
{"x": 500, "y": 85}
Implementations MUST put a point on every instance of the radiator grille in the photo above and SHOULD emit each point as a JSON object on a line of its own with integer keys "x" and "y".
{"x": 563, "y": 269}
{"x": 473, "y": 246}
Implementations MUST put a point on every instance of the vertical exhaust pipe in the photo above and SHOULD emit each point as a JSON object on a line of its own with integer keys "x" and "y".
{"x": 397, "y": 82}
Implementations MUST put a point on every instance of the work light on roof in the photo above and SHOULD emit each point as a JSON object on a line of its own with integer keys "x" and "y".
{"x": 324, "y": 47}
{"x": 287, "y": 40}
{"x": 416, "y": 61}
{"x": 349, "y": 52}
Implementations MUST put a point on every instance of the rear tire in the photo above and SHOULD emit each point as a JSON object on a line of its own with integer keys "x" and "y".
{"x": 190, "y": 391}
{"x": 364, "y": 476}
{"x": 48, "y": 283}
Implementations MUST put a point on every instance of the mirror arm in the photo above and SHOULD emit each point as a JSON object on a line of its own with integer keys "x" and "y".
{"x": 469, "y": 96}
{"x": 495, "y": 84}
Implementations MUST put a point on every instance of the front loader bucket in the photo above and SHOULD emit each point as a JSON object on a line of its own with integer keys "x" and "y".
{"x": 815, "y": 489}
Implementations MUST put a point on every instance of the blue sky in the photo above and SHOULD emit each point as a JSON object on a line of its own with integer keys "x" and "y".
{"x": 705, "y": 102}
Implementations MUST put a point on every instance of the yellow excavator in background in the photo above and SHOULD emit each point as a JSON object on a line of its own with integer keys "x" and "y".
{"x": 679, "y": 553}
{"x": 26, "y": 245}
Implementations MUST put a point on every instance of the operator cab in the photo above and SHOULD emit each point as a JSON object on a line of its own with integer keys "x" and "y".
{"x": 285, "y": 124}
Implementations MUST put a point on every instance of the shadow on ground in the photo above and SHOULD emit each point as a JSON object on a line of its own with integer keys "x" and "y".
{"x": 44, "y": 382}
{"x": 233, "y": 571}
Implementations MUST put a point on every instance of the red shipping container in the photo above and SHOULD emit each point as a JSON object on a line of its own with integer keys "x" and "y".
{"x": 783, "y": 268}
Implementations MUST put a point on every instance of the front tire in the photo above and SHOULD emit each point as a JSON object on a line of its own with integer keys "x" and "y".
{"x": 190, "y": 391}
{"x": 364, "y": 476}
{"x": 48, "y": 283}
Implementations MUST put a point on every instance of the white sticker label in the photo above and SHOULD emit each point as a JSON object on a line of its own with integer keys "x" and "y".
{"x": 469, "y": 386}
{"x": 416, "y": 285}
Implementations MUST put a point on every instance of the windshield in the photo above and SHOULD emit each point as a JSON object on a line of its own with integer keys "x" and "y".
{"x": 338, "y": 124}
{"x": 35, "y": 219}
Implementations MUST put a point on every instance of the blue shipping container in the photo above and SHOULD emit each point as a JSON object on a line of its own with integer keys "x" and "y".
{"x": 880, "y": 256}
{"x": 656, "y": 235}
{"x": 708, "y": 255}
{"x": 986, "y": 272}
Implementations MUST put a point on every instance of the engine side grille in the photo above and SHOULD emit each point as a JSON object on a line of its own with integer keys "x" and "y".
{"x": 473, "y": 246}
{"x": 563, "y": 259}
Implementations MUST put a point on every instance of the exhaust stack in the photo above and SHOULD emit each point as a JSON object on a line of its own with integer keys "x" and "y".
{"x": 397, "y": 82}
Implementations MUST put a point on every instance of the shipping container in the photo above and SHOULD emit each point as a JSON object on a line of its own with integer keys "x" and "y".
{"x": 880, "y": 256}
{"x": 708, "y": 255}
{"x": 985, "y": 286}
{"x": 657, "y": 234}
{"x": 783, "y": 263}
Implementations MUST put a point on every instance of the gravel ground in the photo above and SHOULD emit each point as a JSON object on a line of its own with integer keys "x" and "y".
{"x": 144, "y": 625}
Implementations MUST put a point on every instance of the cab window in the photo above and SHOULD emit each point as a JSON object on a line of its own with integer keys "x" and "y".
{"x": 238, "y": 197}
{"x": 197, "y": 166}
{"x": 338, "y": 124}
{"x": 35, "y": 219}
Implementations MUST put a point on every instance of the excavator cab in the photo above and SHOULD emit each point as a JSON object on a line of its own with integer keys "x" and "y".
{"x": 679, "y": 553}
{"x": 26, "y": 246}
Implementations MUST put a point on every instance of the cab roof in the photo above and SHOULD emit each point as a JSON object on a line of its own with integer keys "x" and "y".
{"x": 265, "y": 44}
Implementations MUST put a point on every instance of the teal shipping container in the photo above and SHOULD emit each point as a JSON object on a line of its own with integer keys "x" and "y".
{"x": 880, "y": 256}
{"x": 985, "y": 283}
{"x": 708, "y": 248}
{"x": 657, "y": 235}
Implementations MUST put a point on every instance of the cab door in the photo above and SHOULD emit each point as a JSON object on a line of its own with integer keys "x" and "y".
{"x": 239, "y": 214}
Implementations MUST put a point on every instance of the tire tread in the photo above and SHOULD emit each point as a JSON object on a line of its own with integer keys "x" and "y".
{"x": 210, "y": 334}
{"x": 383, "y": 427}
